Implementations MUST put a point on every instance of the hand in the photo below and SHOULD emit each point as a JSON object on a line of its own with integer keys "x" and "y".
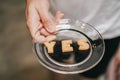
{"x": 39, "y": 22}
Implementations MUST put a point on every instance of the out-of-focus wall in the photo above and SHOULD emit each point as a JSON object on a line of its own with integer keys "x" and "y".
{"x": 17, "y": 61}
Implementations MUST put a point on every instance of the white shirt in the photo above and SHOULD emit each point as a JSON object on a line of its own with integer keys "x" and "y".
{"x": 104, "y": 15}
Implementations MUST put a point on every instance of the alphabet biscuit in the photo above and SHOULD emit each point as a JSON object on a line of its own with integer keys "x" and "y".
{"x": 66, "y": 47}
{"x": 50, "y": 46}
{"x": 83, "y": 45}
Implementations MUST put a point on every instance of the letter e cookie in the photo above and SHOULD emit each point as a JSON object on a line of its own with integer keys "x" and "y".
{"x": 66, "y": 47}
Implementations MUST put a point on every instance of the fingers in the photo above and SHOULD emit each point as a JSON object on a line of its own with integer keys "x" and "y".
{"x": 59, "y": 15}
{"x": 39, "y": 38}
{"x": 44, "y": 32}
{"x": 33, "y": 24}
{"x": 47, "y": 22}
{"x": 39, "y": 22}
{"x": 50, "y": 38}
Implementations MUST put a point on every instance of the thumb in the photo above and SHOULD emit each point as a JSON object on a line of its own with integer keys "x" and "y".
{"x": 59, "y": 15}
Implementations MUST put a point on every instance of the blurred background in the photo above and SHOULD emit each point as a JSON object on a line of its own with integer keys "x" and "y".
{"x": 17, "y": 61}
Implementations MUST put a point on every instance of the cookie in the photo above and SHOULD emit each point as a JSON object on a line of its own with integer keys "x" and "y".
{"x": 66, "y": 46}
{"x": 83, "y": 44}
{"x": 50, "y": 46}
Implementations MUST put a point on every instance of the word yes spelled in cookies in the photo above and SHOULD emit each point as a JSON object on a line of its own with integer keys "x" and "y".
{"x": 67, "y": 45}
